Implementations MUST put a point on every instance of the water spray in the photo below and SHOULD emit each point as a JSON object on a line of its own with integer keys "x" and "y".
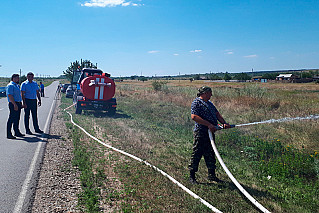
{"x": 310, "y": 117}
{"x": 281, "y": 120}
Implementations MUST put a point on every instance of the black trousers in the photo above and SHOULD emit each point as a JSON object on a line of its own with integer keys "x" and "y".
{"x": 14, "y": 118}
{"x": 42, "y": 92}
{"x": 202, "y": 147}
{"x": 33, "y": 107}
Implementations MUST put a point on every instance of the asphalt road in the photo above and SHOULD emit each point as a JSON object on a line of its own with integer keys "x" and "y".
{"x": 20, "y": 158}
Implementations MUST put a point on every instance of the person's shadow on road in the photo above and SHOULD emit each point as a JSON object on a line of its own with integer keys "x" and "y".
{"x": 34, "y": 138}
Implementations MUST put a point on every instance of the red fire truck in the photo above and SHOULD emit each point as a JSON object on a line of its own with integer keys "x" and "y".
{"x": 95, "y": 91}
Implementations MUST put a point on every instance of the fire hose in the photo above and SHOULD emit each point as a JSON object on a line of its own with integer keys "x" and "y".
{"x": 241, "y": 189}
{"x": 214, "y": 209}
{"x": 218, "y": 127}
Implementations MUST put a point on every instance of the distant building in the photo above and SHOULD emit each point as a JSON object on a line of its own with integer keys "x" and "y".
{"x": 259, "y": 79}
{"x": 290, "y": 78}
{"x": 286, "y": 78}
{"x": 203, "y": 78}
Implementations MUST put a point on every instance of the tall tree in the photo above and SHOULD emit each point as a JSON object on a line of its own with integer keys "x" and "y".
{"x": 242, "y": 76}
{"x": 214, "y": 77}
{"x": 197, "y": 77}
{"x": 227, "y": 76}
{"x": 271, "y": 76}
{"x": 77, "y": 65}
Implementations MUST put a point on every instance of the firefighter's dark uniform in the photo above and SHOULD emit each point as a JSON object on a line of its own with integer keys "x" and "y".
{"x": 202, "y": 145}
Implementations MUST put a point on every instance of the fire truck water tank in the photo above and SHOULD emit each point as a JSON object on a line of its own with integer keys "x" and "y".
{"x": 98, "y": 87}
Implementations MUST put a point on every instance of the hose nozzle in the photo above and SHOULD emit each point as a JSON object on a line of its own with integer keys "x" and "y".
{"x": 219, "y": 126}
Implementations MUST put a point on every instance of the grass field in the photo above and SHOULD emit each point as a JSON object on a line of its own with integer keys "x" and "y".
{"x": 278, "y": 164}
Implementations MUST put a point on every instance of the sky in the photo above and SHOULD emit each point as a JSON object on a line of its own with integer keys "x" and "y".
{"x": 158, "y": 37}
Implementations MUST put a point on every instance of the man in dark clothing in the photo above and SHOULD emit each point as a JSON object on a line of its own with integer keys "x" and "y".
{"x": 30, "y": 93}
{"x": 14, "y": 99}
{"x": 206, "y": 117}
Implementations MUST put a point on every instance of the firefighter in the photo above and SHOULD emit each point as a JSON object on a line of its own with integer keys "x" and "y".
{"x": 206, "y": 116}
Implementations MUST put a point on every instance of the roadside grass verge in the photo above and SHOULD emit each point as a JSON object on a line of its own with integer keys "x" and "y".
{"x": 154, "y": 127}
{"x": 89, "y": 181}
{"x": 86, "y": 159}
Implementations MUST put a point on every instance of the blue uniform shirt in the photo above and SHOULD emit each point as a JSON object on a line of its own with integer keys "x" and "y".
{"x": 205, "y": 110}
{"x": 42, "y": 86}
{"x": 30, "y": 89}
{"x": 14, "y": 90}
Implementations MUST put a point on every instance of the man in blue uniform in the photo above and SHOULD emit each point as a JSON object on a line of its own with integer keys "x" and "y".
{"x": 206, "y": 117}
{"x": 14, "y": 98}
{"x": 42, "y": 89}
{"x": 30, "y": 93}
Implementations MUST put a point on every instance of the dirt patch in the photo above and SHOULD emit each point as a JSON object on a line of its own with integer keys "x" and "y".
{"x": 59, "y": 185}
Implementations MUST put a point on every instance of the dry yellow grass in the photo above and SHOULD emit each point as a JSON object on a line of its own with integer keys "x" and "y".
{"x": 199, "y": 83}
{"x": 283, "y": 100}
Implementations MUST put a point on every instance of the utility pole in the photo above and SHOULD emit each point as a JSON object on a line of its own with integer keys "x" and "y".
{"x": 20, "y": 77}
{"x": 0, "y": 65}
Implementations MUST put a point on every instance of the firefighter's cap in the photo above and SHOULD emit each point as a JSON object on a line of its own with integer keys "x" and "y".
{"x": 203, "y": 90}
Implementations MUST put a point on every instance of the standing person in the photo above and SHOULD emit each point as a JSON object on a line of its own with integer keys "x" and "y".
{"x": 206, "y": 117}
{"x": 42, "y": 89}
{"x": 30, "y": 93}
{"x": 14, "y": 99}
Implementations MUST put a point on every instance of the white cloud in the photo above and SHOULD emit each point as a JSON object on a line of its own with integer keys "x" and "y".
{"x": 175, "y": 54}
{"x": 228, "y": 52}
{"x": 153, "y": 51}
{"x": 126, "y": 4}
{"x": 195, "y": 51}
{"x": 250, "y": 56}
{"x": 108, "y": 3}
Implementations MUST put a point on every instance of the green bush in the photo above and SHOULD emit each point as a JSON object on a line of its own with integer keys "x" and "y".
{"x": 158, "y": 85}
{"x": 253, "y": 91}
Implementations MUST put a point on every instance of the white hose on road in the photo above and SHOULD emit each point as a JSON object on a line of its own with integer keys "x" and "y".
{"x": 247, "y": 195}
{"x": 146, "y": 163}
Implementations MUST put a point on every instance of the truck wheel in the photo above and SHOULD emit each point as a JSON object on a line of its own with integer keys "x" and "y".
{"x": 78, "y": 109}
{"x": 111, "y": 112}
